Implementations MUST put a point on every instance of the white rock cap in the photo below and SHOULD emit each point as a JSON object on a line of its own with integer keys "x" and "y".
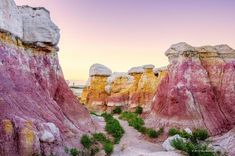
{"x": 178, "y": 48}
{"x": 117, "y": 75}
{"x": 148, "y": 66}
{"x": 38, "y": 26}
{"x": 157, "y": 70}
{"x": 10, "y": 18}
{"x": 99, "y": 69}
{"x": 31, "y": 25}
{"x": 137, "y": 70}
{"x": 224, "y": 48}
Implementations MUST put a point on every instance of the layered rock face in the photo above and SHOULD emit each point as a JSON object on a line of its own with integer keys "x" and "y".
{"x": 39, "y": 113}
{"x": 198, "y": 89}
{"x": 96, "y": 98}
{"x": 118, "y": 87}
{"x": 146, "y": 87}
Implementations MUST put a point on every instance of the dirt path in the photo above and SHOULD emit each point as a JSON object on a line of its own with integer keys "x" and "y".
{"x": 132, "y": 144}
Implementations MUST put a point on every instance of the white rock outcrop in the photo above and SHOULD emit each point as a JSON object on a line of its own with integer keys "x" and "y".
{"x": 38, "y": 26}
{"x": 136, "y": 70}
{"x": 99, "y": 70}
{"x": 31, "y": 25}
{"x": 10, "y": 18}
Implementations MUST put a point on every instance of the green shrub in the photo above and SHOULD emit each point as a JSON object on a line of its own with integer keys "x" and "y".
{"x": 86, "y": 141}
{"x": 108, "y": 148}
{"x": 182, "y": 133}
{"x": 74, "y": 152}
{"x": 152, "y": 133}
{"x": 193, "y": 149}
{"x": 117, "y": 110}
{"x": 113, "y": 127}
{"x": 139, "y": 110}
{"x": 136, "y": 122}
{"x": 128, "y": 116}
{"x": 173, "y": 131}
{"x": 100, "y": 137}
{"x": 200, "y": 134}
{"x": 179, "y": 144}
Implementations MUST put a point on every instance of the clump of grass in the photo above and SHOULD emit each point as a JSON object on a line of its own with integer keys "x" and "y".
{"x": 107, "y": 144}
{"x": 138, "y": 123}
{"x": 193, "y": 149}
{"x": 117, "y": 110}
{"x": 192, "y": 145}
{"x": 74, "y": 152}
{"x": 200, "y": 134}
{"x": 139, "y": 110}
{"x": 182, "y": 133}
{"x": 113, "y": 127}
{"x": 86, "y": 141}
{"x": 108, "y": 148}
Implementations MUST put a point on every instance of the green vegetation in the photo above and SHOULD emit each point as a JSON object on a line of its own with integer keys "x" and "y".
{"x": 193, "y": 145}
{"x": 193, "y": 149}
{"x": 200, "y": 134}
{"x": 182, "y": 133}
{"x": 138, "y": 123}
{"x": 86, "y": 141}
{"x": 74, "y": 152}
{"x": 139, "y": 110}
{"x": 108, "y": 147}
{"x": 107, "y": 144}
{"x": 197, "y": 134}
{"x": 117, "y": 110}
{"x": 113, "y": 127}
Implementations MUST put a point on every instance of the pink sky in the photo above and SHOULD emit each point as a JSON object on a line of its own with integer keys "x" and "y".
{"x": 125, "y": 33}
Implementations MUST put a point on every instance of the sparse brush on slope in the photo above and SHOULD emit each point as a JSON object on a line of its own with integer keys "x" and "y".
{"x": 138, "y": 123}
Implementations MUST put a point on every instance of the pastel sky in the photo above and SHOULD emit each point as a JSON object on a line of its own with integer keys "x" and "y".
{"x": 125, "y": 33}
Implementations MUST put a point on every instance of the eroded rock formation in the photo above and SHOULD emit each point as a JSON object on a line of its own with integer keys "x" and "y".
{"x": 198, "y": 89}
{"x": 39, "y": 113}
{"x": 96, "y": 98}
{"x": 108, "y": 90}
{"x": 118, "y": 87}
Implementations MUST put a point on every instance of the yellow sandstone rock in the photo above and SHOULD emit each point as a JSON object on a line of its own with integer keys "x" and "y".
{"x": 147, "y": 86}
{"x": 118, "y": 87}
{"x": 96, "y": 97}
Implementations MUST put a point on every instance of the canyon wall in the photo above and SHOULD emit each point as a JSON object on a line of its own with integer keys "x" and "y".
{"x": 39, "y": 115}
{"x": 198, "y": 89}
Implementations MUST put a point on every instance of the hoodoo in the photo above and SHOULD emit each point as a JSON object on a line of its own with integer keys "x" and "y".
{"x": 39, "y": 114}
{"x": 198, "y": 89}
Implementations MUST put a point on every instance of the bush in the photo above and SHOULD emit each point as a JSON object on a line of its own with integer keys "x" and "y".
{"x": 100, "y": 137}
{"x": 173, "y": 131}
{"x": 74, "y": 152}
{"x": 117, "y": 110}
{"x": 191, "y": 148}
{"x": 152, "y": 133}
{"x": 113, "y": 127}
{"x": 200, "y": 134}
{"x": 108, "y": 148}
{"x": 86, "y": 141}
{"x": 128, "y": 116}
{"x": 182, "y": 133}
{"x": 139, "y": 110}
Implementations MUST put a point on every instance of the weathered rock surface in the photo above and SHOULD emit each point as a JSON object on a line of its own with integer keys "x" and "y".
{"x": 94, "y": 94}
{"x": 118, "y": 87}
{"x": 39, "y": 113}
{"x": 226, "y": 142}
{"x": 37, "y": 26}
{"x": 198, "y": 89}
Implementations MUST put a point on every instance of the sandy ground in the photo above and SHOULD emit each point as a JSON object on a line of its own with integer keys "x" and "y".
{"x": 132, "y": 144}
